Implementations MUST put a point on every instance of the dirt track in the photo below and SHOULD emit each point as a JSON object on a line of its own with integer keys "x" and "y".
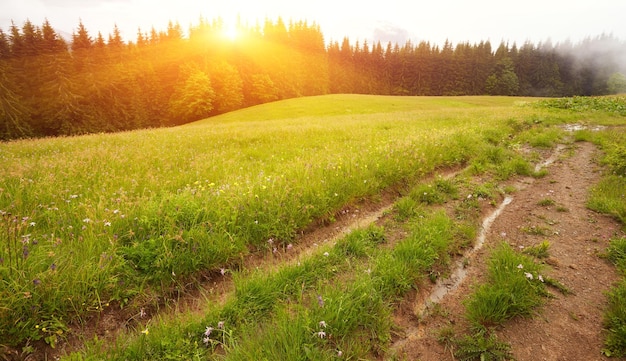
{"x": 567, "y": 327}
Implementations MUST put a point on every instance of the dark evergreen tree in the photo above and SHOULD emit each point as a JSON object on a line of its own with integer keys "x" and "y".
{"x": 503, "y": 81}
{"x": 14, "y": 114}
{"x": 51, "y": 41}
{"x": 5, "y": 46}
{"x": 81, "y": 39}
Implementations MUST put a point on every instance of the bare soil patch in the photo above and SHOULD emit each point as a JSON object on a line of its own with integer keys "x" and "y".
{"x": 566, "y": 327}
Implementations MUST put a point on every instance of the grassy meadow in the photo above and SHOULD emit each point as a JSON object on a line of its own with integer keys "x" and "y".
{"x": 128, "y": 220}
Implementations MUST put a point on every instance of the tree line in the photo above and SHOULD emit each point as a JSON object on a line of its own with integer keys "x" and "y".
{"x": 50, "y": 86}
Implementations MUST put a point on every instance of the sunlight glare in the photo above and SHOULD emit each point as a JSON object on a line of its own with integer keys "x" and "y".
{"x": 230, "y": 32}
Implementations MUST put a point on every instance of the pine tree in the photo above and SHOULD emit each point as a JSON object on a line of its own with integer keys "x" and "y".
{"x": 503, "y": 81}
{"x": 228, "y": 85}
{"x": 31, "y": 39}
{"x": 5, "y": 46}
{"x": 14, "y": 114}
{"x": 193, "y": 98}
{"x": 115, "y": 40}
{"x": 17, "y": 42}
{"x": 51, "y": 42}
{"x": 81, "y": 39}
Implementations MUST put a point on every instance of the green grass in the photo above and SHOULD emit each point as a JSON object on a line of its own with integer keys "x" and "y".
{"x": 515, "y": 287}
{"x": 540, "y": 250}
{"x": 131, "y": 219}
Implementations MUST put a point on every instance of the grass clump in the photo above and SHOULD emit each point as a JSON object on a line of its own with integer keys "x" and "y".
{"x": 546, "y": 202}
{"x": 615, "y": 321}
{"x": 515, "y": 287}
{"x": 482, "y": 347}
{"x": 615, "y": 314}
{"x": 540, "y": 250}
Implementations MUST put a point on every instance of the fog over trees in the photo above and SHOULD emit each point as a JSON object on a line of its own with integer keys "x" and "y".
{"x": 50, "y": 86}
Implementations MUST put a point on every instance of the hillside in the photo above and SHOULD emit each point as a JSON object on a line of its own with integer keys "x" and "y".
{"x": 235, "y": 233}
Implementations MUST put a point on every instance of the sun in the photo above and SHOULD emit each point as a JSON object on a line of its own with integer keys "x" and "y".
{"x": 230, "y": 32}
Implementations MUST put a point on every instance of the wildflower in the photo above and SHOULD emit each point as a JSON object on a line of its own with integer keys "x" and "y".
{"x": 142, "y": 313}
{"x": 223, "y": 271}
{"x": 368, "y": 271}
{"x": 339, "y": 353}
{"x": 220, "y": 325}
{"x": 520, "y": 266}
{"x": 146, "y": 331}
{"x": 208, "y": 331}
{"x": 323, "y": 324}
{"x": 270, "y": 241}
{"x": 540, "y": 278}
{"x": 107, "y": 224}
{"x": 32, "y": 224}
{"x": 321, "y": 334}
{"x": 528, "y": 275}
{"x": 86, "y": 220}
{"x": 73, "y": 196}
{"x": 326, "y": 254}
{"x": 320, "y": 301}
{"x": 206, "y": 340}
{"x": 53, "y": 267}
{"x": 36, "y": 281}
{"x": 289, "y": 246}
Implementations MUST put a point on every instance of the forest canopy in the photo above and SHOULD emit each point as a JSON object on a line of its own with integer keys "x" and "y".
{"x": 52, "y": 86}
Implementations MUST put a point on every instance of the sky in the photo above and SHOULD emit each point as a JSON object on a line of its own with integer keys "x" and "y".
{"x": 397, "y": 21}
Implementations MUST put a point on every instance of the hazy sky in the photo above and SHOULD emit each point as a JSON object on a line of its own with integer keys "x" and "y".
{"x": 388, "y": 20}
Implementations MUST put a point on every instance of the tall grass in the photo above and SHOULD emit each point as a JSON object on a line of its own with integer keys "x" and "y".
{"x": 103, "y": 219}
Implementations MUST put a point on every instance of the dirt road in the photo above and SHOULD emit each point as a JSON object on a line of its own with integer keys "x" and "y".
{"x": 566, "y": 327}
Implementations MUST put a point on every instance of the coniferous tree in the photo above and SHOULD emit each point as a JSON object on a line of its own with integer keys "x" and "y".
{"x": 5, "y": 46}
{"x": 503, "y": 81}
{"x": 81, "y": 39}
{"x": 227, "y": 83}
{"x": 14, "y": 114}
{"x": 51, "y": 41}
{"x": 193, "y": 98}
{"x": 17, "y": 42}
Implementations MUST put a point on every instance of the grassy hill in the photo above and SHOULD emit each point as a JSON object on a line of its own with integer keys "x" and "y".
{"x": 126, "y": 219}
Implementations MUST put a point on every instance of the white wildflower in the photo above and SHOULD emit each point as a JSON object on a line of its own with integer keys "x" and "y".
{"x": 208, "y": 330}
